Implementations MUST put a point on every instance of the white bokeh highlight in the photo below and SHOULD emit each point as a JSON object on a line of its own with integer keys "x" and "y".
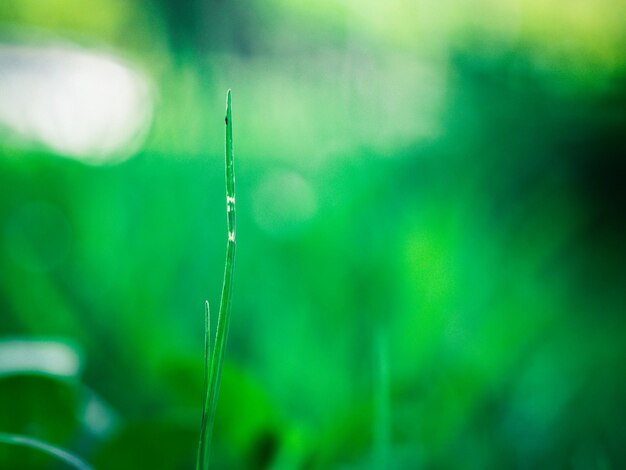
{"x": 79, "y": 103}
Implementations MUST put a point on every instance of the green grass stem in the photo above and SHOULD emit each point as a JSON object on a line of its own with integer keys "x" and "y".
{"x": 215, "y": 359}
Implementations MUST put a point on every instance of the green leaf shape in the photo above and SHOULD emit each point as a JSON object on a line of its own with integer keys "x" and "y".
{"x": 216, "y": 361}
{"x": 41, "y": 446}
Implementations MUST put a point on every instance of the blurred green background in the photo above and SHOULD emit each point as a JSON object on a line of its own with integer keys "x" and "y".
{"x": 430, "y": 265}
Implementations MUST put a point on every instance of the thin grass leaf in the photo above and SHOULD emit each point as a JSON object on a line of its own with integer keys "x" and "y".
{"x": 207, "y": 366}
{"x": 53, "y": 451}
{"x": 223, "y": 320}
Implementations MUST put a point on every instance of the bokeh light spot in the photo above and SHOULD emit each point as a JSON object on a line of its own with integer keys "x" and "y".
{"x": 284, "y": 203}
{"x": 78, "y": 103}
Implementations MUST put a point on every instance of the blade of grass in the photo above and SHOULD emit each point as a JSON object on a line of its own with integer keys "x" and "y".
{"x": 223, "y": 320}
{"x": 207, "y": 365}
{"x": 36, "y": 444}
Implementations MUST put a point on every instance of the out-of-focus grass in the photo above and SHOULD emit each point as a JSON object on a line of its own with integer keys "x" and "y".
{"x": 23, "y": 442}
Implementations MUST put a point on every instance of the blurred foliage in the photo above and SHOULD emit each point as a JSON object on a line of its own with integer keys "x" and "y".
{"x": 450, "y": 173}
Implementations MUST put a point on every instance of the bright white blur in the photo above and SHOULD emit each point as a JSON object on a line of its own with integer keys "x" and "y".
{"x": 75, "y": 102}
{"x": 19, "y": 356}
